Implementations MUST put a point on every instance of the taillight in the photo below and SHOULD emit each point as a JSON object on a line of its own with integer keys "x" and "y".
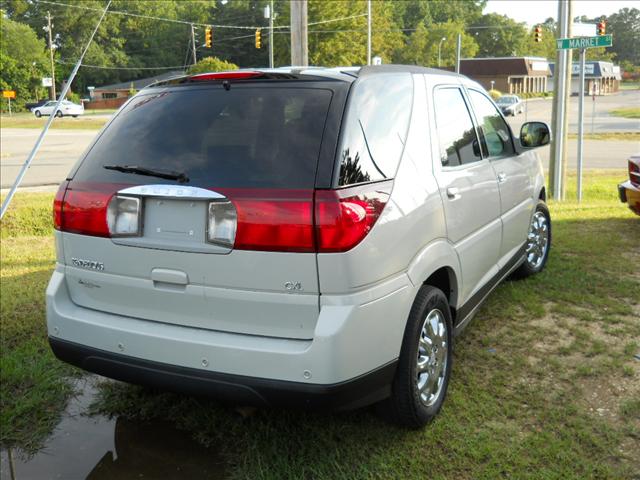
{"x": 236, "y": 75}
{"x": 344, "y": 217}
{"x": 57, "y": 205}
{"x": 123, "y": 216}
{"x": 84, "y": 209}
{"x": 222, "y": 223}
{"x": 273, "y": 220}
{"x": 634, "y": 173}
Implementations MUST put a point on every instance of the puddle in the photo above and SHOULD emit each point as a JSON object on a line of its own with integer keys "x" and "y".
{"x": 97, "y": 448}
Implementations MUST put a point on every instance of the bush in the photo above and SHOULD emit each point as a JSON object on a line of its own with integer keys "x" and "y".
{"x": 74, "y": 97}
{"x": 495, "y": 94}
{"x": 212, "y": 64}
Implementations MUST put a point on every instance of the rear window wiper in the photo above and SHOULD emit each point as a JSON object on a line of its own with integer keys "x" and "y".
{"x": 168, "y": 175}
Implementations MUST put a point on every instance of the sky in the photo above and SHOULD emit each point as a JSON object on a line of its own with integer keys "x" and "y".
{"x": 537, "y": 11}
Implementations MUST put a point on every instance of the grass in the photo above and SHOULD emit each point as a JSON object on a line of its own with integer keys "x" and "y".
{"x": 624, "y": 136}
{"x": 544, "y": 385}
{"x": 628, "y": 112}
{"x": 64, "y": 123}
{"x": 33, "y": 384}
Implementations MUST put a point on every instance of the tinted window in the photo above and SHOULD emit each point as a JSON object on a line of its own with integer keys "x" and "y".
{"x": 375, "y": 128}
{"x": 495, "y": 136}
{"x": 457, "y": 137}
{"x": 243, "y": 137}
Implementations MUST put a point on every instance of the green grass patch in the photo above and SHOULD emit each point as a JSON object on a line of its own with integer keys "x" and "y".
{"x": 623, "y": 136}
{"x": 628, "y": 112}
{"x": 64, "y": 123}
{"x": 530, "y": 372}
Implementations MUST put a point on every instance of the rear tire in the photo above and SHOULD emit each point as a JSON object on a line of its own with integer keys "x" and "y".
{"x": 424, "y": 367}
{"x": 37, "y": 113}
{"x": 538, "y": 243}
{"x": 59, "y": 114}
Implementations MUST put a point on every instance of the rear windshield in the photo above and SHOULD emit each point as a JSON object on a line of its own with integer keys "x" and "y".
{"x": 241, "y": 137}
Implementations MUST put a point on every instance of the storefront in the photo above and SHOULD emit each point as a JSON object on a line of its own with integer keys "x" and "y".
{"x": 515, "y": 75}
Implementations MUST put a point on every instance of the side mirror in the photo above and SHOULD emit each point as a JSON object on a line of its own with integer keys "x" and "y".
{"x": 534, "y": 134}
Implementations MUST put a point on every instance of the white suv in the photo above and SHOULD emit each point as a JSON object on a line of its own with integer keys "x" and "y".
{"x": 301, "y": 237}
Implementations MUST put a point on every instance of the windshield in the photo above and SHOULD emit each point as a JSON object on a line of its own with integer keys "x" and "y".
{"x": 241, "y": 137}
{"x": 506, "y": 100}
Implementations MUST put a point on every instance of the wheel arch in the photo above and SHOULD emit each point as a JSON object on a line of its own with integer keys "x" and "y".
{"x": 438, "y": 265}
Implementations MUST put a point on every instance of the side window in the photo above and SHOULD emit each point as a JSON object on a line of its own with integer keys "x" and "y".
{"x": 375, "y": 128}
{"x": 495, "y": 136}
{"x": 458, "y": 141}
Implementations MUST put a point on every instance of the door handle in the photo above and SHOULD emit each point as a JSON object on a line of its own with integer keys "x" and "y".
{"x": 502, "y": 177}
{"x": 453, "y": 193}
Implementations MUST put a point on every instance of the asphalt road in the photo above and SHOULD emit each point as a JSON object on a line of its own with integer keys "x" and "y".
{"x": 62, "y": 148}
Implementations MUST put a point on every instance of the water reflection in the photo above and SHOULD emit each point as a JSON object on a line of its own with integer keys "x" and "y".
{"x": 99, "y": 448}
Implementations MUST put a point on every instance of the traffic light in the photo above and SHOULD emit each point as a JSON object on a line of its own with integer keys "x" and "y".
{"x": 208, "y": 37}
{"x": 537, "y": 33}
{"x": 258, "y": 38}
{"x": 602, "y": 27}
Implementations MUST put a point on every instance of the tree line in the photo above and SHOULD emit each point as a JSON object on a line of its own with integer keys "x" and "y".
{"x": 128, "y": 47}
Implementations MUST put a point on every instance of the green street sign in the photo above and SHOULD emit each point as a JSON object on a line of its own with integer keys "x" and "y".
{"x": 584, "y": 42}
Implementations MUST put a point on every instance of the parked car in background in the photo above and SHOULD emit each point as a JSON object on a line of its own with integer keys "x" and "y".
{"x": 30, "y": 106}
{"x": 629, "y": 191}
{"x": 299, "y": 237}
{"x": 510, "y": 105}
{"x": 67, "y": 108}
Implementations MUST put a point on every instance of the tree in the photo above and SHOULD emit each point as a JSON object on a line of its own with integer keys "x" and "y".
{"x": 625, "y": 27}
{"x": 22, "y": 61}
{"x": 499, "y": 36}
{"x": 422, "y": 47}
{"x": 212, "y": 64}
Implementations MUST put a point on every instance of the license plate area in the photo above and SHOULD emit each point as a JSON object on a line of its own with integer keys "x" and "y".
{"x": 174, "y": 224}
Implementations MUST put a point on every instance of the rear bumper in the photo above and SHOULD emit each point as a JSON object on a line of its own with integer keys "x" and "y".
{"x": 242, "y": 390}
{"x": 630, "y": 194}
{"x": 349, "y": 362}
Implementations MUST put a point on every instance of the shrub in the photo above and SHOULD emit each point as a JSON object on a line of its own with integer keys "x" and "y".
{"x": 495, "y": 94}
{"x": 212, "y": 64}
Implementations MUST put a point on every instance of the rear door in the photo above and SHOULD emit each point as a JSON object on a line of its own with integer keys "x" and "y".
{"x": 182, "y": 154}
{"x": 468, "y": 188}
{"x": 514, "y": 174}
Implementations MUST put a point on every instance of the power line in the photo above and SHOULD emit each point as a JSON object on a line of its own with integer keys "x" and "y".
{"x": 176, "y": 67}
{"x": 184, "y": 22}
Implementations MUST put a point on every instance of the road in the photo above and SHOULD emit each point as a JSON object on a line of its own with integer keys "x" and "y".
{"x": 62, "y": 148}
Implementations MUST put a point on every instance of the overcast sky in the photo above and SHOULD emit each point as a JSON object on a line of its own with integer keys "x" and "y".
{"x": 537, "y": 11}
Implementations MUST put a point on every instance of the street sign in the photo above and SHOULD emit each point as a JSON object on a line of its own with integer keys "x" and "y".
{"x": 9, "y": 94}
{"x": 47, "y": 81}
{"x": 584, "y": 42}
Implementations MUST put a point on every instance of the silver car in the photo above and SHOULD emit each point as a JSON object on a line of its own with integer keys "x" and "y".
{"x": 67, "y": 108}
{"x": 510, "y": 105}
{"x": 299, "y": 237}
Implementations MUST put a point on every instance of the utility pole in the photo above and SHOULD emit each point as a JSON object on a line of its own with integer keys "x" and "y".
{"x": 458, "y": 48}
{"x": 299, "y": 49}
{"x": 52, "y": 88}
{"x": 368, "y": 32}
{"x": 567, "y": 98}
{"x": 271, "y": 14}
{"x": 558, "y": 139}
{"x": 193, "y": 44}
{"x": 583, "y": 54}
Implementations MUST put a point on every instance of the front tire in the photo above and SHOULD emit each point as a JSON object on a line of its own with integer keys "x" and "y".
{"x": 538, "y": 243}
{"x": 59, "y": 114}
{"x": 37, "y": 113}
{"x": 424, "y": 367}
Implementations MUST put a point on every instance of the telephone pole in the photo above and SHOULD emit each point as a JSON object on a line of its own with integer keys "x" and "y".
{"x": 299, "y": 50}
{"x": 559, "y": 137}
{"x": 271, "y": 14}
{"x": 193, "y": 45}
{"x": 52, "y": 88}
{"x": 368, "y": 32}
